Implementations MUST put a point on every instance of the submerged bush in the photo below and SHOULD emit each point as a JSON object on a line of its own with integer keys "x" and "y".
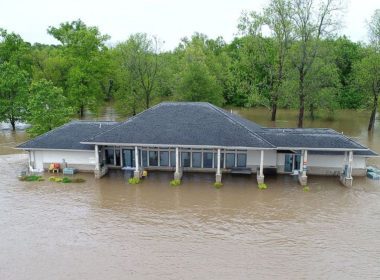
{"x": 134, "y": 181}
{"x": 306, "y": 189}
{"x": 66, "y": 180}
{"x": 175, "y": 182}
{"x": 218, "y": 185}
{"x": 262, "y": 186}
{"x": 32, "y": 178}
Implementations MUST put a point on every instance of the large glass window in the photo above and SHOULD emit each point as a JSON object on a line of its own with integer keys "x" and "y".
{"x": 164, "y": 158}
{"x": 128, "y": 158}
{"x": 144, "y": 155}
{"x": 230, "y": 160}
{"x": 221, "y": 160}
{"x": 172, "y": 158}
{"x": 241, "y": 160}
{"x": 185, "y": 159}
{"x": 153, "y": 158}
{"x": 110, "y": 153}
{"x": 207, "y": 160}
{"x": 197, "y": 159}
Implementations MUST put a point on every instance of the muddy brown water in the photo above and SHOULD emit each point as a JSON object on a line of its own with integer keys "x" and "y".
{"x": 108, "y": 229}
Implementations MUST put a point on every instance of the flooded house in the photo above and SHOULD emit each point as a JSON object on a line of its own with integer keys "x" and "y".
{"x": 183, "y": 137}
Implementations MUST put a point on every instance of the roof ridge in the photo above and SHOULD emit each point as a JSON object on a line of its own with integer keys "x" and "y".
{"x": 238, "y": 123}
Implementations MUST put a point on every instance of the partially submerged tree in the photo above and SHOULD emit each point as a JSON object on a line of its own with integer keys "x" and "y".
{"x": 13, "y": 93}
{"x": 47, "y": 107}
{"x": 83, "y": 47}
{"x": 311, "y": 21}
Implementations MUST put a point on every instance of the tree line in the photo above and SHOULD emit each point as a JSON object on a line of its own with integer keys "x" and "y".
{"x": 286, "y": 56}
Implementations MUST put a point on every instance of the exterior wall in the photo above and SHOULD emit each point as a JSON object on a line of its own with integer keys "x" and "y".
{"x": 81, "y": 160}
{"x": 327, "y": 164}
{"x": 253, "y": 159}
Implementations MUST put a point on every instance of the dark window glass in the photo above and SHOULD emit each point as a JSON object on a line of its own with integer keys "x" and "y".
{"x": 164, "y": 158}
{"x": 230, "y": 160}
{"x": 117, "y": 154}
{"x": 197, "y": 159}
{"x": 128, "y": 158}
{"x": 153, "y": 158}
{"x": 110, "y": 156}
{"x": 207, "y": 160}
{"x": 172, "y": 158}
{"x": 221, "y": 160}
{"x": 185, "y": 159}
{"x": 241, "y": 160}
{"x": 144, "y": 155}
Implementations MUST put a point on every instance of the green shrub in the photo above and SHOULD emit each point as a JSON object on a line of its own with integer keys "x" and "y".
{"x": 262, "y": 186}
{"x": 306, "y": 189}
{"x": 55, "y": 179}
{"x": 134, "y": 181}
{"x": 175, "y": 182}
{"x": 218, "y": 185}
{"x": 66, "y": 180}
{"x": 31, "y": 178}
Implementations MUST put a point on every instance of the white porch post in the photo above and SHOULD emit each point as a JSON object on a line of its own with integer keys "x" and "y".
{"x": 346, "y": 176}
{"x": 260, "y": 175}
{"x": 302, "y": 177}
{"x": 177, "y": 173}
{"x": 97, "y": 166}
{"x": 218, "y": 176}
{"x": 137, "y": 169}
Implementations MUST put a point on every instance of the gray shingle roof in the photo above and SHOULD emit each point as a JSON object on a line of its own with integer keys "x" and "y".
{"x": 68, "y": 136}
{"x": 184, "y": 123}
{"x": 313, "y": 138}
{"x": 193, "y": 124}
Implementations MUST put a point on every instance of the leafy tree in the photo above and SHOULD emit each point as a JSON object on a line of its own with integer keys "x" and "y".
{"x": 83, "y": 47}
{"x": 13, "y": 93}
{"x": 47, "y": 107}
{"x": 311, "y": 22}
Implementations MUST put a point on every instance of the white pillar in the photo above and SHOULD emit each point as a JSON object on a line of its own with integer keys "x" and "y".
{"x": 136, "y": 159}
{"x": 301, "y": 163}
{"x": 97, "y": 167}
{"x": 218, "y": 163}
{"x": 304, "y": 164}
{"x": 350, "y": 160}
{"x": 177, "y": 160}
{"x": 262, "y": 163}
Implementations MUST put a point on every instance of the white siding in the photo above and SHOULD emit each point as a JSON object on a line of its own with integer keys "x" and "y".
{"x": 253, "y": 158}
{"x": 334, "y": 161}
{"x": 83, "y": 159}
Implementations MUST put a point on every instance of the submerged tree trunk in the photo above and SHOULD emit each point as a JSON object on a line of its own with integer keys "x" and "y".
{"x": 371, "y": 124}
{"x": 274, "y": 111}
{"x": 13, "y": 124}
{"x": 81, "y": 111}
{"x": 311, "y": 109}
{"x": 301, "y": 100}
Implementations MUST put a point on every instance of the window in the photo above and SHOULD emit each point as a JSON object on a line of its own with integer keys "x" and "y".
{"x": 128, "y": 158}
{"x": 164, "y": 158}
{"x": 221, "y": 160}
{"x": 144, "y": 156}
{"x": 172, "y": 158}
{"x": 153, "y": 158}
{"x": 207, "y": 160}
{"x": 185, "y": 159}
{"x": 110, "y": 156}
{"x": 230, "y": 160}
{"x": 197, "y": 159}
{"x": 241, "y": 160}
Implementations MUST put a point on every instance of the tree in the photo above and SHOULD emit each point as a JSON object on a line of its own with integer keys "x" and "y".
{"x": 47, "y": 107}
{"x": 13, "y": 93}
{"x": 83, "y": 47}
{"x": 139, "y": 56}
{"x": 277, "y": 18}
{"x": 311, "y": 22}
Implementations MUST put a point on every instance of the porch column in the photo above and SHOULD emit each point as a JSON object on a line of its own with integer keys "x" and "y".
{"x": 97, "y": 166}
{"x": 260, "y": 175}
{"x": 346, "y": 176}
{"x": 137, "y": 169}
{"x": 302, "y": 176}
{"x": 177, "y": 173}
{"x": 218, "y": 176}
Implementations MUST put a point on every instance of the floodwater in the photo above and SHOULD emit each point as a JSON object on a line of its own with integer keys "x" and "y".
{"x": 108, "y": 229}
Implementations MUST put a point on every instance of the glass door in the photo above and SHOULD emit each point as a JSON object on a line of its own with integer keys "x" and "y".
{"x": 288, "y": 163}
{"x": 128, "y": 158}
